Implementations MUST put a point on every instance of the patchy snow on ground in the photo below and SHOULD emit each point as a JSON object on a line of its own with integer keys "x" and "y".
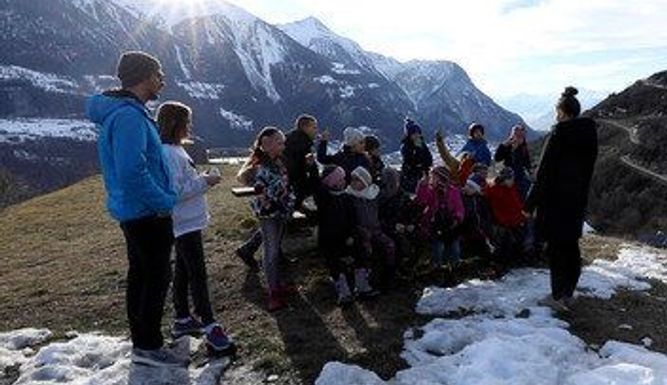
{"x": 93, "y": 359}
{"x": 20, "y": 130}
{"x": 497, "y": 333}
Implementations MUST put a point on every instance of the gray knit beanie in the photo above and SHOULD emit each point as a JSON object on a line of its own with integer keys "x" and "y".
{"x": 135, "y": 66}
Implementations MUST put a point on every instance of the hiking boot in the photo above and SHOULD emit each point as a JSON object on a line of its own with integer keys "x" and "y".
{"x": 161, "y": 357}
{"x": 218, "y": 341}
{"x": 343, "y": 291}
{"x": 247, "y": 259}
{"x": 276, "y": 301}
{"x": 363, "y": 289}
{"x": 186, "y": 327}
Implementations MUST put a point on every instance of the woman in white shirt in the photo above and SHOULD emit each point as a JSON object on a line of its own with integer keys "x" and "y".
{"x": 190, "y": 216}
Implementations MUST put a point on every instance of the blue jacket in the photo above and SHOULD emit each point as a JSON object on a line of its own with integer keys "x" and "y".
{"x": 479, "y": 150}
{"x": 136, "y": 174}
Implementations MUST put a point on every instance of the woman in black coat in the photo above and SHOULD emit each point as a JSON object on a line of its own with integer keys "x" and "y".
{"x": 560, "y": 193}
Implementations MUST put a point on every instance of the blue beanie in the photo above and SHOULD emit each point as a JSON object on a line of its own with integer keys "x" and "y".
{"x": 411, "y": 127}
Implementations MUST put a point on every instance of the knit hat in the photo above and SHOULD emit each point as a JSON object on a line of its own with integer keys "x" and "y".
{"x": 352, "y": 136}
{"x": 372, "y": 142}
{"x": 518, "y": 132}
{"x": 410, "y": 127}
{"x": 135, "y": 66}
{"x": 505, "y": 174}
{"x": 475, "y": 126}
{"x": 333, "y": 177}
{"x": 363, "y": 175}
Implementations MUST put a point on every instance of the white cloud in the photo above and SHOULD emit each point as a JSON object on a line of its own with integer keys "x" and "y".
{"x": 495, "y": 39}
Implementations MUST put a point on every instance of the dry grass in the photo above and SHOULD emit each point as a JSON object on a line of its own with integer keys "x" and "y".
{"x": 63, "y": 267}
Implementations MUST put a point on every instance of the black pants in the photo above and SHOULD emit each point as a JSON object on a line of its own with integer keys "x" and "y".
{"x": 149, "y": 241}
{"x": 565, "y": 264}
{"x": 190, "y": 278}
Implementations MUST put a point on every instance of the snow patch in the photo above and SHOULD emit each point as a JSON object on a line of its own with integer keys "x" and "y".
{"x": 21, "y": 130}
{"x": 236, "y": 121}
{"x": 100, "y": 83}
{"x": 509, "y": 339}
{"x": 181, "y": 63}
{"x": 325, "y": 79}
{"x": 340, "y": 69}
{"x": 201, "y": 90}
{"x": 346, "y": 91}
{"x": 45, "y": 81}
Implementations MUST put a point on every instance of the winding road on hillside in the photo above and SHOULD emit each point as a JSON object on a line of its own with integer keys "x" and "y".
{"x": 632, "y": 132}
{"x": 634, "y": 138}
{"x": 643, "y": 170}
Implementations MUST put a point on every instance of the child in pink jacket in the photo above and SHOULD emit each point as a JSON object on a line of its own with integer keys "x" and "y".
{"x": 442, "y": 215}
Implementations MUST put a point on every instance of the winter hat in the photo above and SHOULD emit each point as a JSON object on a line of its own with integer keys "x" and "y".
{"x": 411, "y": 128}
{"x": 372, "y": 142}
{"x": 333, "y": 177}
{"x": 352, "y": 136}
{"x": 475, "y": 126}
{"x": 519, "y": 133}
{"x": 363, "y": 175}
{"x": 505, "y": 174}
{"x": 135, "y": 66}
{"x": 442, "y": 175}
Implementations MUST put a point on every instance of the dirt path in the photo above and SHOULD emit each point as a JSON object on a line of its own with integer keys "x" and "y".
{"x": 626, "y": 160}
{"x": 632, "y": 132}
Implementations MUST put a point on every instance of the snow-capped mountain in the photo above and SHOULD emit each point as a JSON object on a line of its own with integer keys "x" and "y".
{"x": 238, "y": 72}
{"x": 440, "y": 92}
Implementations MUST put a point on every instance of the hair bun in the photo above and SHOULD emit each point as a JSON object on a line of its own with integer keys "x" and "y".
{"x": 570, "y": 92}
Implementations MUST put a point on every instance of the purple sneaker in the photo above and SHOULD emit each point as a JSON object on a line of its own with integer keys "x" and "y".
{"x": 218, "y": 341}
{"x": 186, "y": 327}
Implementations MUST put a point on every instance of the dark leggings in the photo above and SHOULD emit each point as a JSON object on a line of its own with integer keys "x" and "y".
{"x": 190, "y": 278}
{"x": 565, "y": 264}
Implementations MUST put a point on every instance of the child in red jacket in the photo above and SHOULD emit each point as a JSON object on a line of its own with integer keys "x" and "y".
{"x": 507, "y": 208}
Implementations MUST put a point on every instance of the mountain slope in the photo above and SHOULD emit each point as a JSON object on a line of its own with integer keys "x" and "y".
{"x": 440, "y": 93}
{"x": 238, "y": 72}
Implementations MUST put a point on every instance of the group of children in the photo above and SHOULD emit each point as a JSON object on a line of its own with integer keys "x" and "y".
{"x": 373, "y": 219}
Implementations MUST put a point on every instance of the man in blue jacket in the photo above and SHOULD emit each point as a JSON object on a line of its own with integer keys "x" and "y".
{"x": 140, "y": 196}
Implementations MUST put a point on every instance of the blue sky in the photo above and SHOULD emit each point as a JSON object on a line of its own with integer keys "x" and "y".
{"x": 507, "y": 46}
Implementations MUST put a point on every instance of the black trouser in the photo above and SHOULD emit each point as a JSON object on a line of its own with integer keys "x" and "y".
{"x": 565, "y": 264}
{"x": 149, "y": 241}
{"x": 190, "y": 273}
